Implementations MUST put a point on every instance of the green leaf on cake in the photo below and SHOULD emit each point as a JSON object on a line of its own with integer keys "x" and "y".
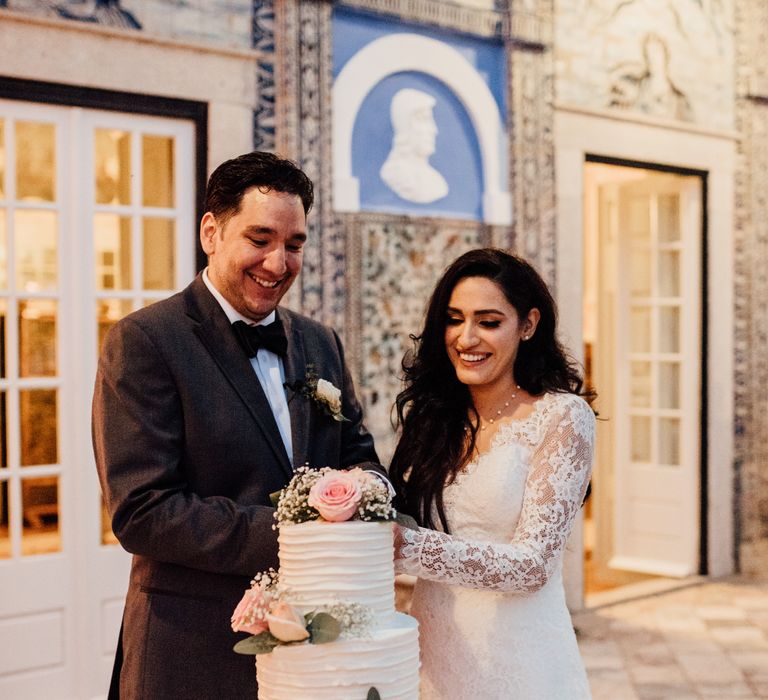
{"x": 323, "y": 628}
{"x": 406, "y": 521}
{"x": 274, "y": 498}
{"x": 262, "y": 643}
{"x": 373, "y": 694}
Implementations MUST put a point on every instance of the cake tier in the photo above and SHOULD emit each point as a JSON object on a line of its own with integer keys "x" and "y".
{"x": 388, "y": 660}
{"x": 351, "y": 562}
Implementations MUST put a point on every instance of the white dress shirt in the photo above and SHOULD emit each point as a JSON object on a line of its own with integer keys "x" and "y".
{"x": 268, "y": 367}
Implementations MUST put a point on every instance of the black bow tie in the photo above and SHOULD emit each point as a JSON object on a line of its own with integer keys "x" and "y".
{"x": 270, "y": 337}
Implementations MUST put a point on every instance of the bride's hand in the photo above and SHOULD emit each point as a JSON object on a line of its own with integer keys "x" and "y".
{"x": 398, "y": 540}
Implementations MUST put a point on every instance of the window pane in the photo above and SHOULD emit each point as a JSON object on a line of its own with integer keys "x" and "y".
{"x": 639, "y": 273}
{"x": 37, "y": 338}
{"x": 2, "y": 159}
{"x": 112, "y": 166}
{"x": 669, "y": 385}
{"x": 40, "y": 509}
{"x": 36, "y": 250}
{"x": 109, "y": 312}
{"x": 640, "y": 330}
{"x": 669, "y": 329}
{"x": 669, "y": 441}
{"x": 669, "y": 218}
{"x": 112, "y": 243}
{"x": 3, "y": 432}
{"x": 159, "y": 254}
{"x": 638, "y": 220}
{"x": 35, "y": 162}
{"x": 39, "y": 432}
{"x": 3, "y": 329}
{"x": 3, "y": 249}
{"x": 669, "y": 273}
{"x": 5, "y": 533}
{"x": 640, "y": 384}
{"x": 157, "y": 171}
{"x": 640, "y": 438}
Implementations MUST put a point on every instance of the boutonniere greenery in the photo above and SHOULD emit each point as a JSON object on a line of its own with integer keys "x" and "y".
{"x": 321, "y": 392}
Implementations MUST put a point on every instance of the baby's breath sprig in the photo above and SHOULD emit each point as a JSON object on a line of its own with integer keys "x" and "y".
{"x": 356, "y": 620}
{"x": 292, "y": 506}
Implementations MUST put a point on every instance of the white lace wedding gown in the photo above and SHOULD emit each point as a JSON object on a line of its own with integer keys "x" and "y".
{"x": 489, "y": 599}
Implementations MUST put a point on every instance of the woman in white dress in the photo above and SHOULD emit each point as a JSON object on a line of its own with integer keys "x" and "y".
{"x": 493, "y": 462}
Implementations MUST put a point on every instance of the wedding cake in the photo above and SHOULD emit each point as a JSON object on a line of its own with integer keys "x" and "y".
{"x": 320, "y": 563}
{"x": 344, "y": 569}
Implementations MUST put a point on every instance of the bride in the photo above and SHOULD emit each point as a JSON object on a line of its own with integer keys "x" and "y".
{"x": 493, "y": 461}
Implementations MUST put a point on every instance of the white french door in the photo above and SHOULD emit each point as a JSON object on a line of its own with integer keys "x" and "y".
{"x": 95, "y": 221}
{"x": 649, "y": 357}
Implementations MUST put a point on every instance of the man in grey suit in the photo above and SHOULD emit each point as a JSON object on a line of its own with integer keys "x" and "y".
{"x": 196, "y": 421}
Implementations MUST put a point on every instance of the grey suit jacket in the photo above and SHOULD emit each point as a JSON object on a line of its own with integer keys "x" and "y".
{"x": 188, "y": 452}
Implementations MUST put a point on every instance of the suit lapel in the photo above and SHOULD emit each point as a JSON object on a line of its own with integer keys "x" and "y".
{"x": 298, "y": 406}
{"x": 214, "y": 332}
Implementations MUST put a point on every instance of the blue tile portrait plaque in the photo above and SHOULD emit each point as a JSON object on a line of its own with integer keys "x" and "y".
{"x": 418, "y": 122}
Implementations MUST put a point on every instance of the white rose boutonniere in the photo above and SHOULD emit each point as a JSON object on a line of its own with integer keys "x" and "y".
{"x": 329, "y": 395}
{"x": 323, "y": 393}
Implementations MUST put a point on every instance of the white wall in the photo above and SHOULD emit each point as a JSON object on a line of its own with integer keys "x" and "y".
{"x": 82, "y": 55}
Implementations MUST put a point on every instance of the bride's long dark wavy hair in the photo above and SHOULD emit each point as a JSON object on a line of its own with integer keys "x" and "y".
{"x": 435, "y": 412}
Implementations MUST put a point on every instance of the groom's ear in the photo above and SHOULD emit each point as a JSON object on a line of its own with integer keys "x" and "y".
{"x": 209, "y": 227}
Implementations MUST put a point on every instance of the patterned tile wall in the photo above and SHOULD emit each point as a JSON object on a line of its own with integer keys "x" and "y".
{"x": 401, "y": 261}
{"x": 751, "y": 293}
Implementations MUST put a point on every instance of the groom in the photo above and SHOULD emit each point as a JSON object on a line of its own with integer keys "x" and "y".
{"x": 193, "y": 428}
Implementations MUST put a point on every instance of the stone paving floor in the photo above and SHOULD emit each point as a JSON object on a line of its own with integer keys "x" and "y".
{"x": 707, "y": 640}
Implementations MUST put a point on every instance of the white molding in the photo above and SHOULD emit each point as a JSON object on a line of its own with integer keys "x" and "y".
{"x": 400, "y": 52}
{"x": 619, "y": 115}
{"x": 650, "y": 566}
{"x": 131, "y": 35}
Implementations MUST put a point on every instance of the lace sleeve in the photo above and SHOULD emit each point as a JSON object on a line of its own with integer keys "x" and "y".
{"x": 554, "y": 490}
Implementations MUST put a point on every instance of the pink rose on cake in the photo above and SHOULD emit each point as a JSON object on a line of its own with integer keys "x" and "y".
{"x": 251, "y": 612}
{"x": 286, "y": 624}
{"x": 336, "y": 495}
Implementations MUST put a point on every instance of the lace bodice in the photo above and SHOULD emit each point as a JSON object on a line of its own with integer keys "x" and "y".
{"x": 550, "y": 452}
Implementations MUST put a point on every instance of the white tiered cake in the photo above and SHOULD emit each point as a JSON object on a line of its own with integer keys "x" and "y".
{"x": 322, "y": 563}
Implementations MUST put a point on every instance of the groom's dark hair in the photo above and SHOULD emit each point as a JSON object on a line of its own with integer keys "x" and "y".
{"x": 267, "y": 171}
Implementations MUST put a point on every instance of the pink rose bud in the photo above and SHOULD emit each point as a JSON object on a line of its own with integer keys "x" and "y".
{"x": 336, "y": 496}
{"x": 250, "y": 613}
{"x": 286, "y": 623}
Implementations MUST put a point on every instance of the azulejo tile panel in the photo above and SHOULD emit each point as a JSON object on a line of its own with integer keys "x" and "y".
{"x": 751, "y": 289}
{"x": 401, "y": 262}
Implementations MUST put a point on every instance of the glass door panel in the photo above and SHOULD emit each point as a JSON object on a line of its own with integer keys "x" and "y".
{"x": 112, "y": 166}
{"x": 35, "y": 150}
{"x": 36, "y": 250}
{"x": 2, "y": 158}
{"x": 159, "y": 171}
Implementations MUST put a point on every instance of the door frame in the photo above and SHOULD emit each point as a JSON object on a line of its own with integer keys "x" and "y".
{"x": 582, "y": 134}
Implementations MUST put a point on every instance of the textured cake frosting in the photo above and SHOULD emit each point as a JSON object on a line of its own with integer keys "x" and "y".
{"x": 322, "y": 563}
